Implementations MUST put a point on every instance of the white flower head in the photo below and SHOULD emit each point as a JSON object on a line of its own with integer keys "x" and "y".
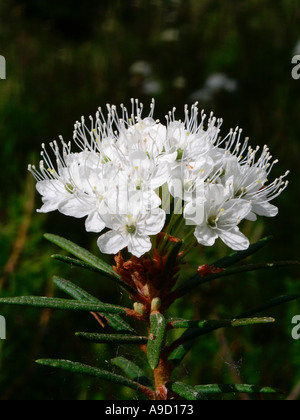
{"x": 125, "y": 162}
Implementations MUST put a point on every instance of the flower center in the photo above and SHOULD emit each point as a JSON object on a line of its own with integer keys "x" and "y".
{"x": 69, "y": 188}
{"x": 241, "y": 192}
{"x": 212, "y": 221}
{"x": 180, "y": 154}
{"x": 131, "y": 229}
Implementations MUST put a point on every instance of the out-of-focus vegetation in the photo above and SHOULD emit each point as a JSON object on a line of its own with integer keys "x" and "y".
{"x": 64, "y": 59}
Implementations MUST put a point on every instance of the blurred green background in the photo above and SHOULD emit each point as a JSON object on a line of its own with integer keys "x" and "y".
{"x": 64, "y": 59}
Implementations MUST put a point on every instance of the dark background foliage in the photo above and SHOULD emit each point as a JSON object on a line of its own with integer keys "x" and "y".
{"x": 64, "y": 59}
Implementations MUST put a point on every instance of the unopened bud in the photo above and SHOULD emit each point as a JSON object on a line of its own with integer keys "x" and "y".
{"x": 155, "y": 304}
{"x": 139, "y": 308}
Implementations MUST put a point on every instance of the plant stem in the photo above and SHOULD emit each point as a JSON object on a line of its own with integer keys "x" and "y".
{"x": 162, "y": 375}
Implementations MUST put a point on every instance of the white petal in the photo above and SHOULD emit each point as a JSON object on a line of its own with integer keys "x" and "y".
{"x": 160, "y": 176}
{"x": 235, "y": 211}
{"x": 216, "y": 194}
{"x": 205, "y": 235}
{"x": 111, "y": 242}
{"x": 49, "y": 205}
{"x": 251, "y": 216}
{"x": 265, "y": 209}
{"x": 194, "y": 212}
{"x": 50, "y": 188}
{"x": 234, "y": 239}
{"x": 139, "y": 245}
{"x": 74, "y": 207}
{"x": 53, "y": 194}
{"x": 154, "y": 223}
{"x": 94, "y": 223}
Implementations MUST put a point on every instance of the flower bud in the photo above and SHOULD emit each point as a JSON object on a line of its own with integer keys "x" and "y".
{"x": 155, "y": 304}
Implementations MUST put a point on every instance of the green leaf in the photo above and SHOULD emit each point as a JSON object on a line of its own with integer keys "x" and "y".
{"x": 198, "y": 280}
{"x": 73, "y": 367}
{"x": 133, "y": 371}
{"x": 73, "y": 290}
{"x": 81, "y": 264}
{"x": 118, "y": 324}
{"x": 236, "y": 389}
{"x": 185, "y": 391}
{"x": 156, "y": 339}
{"x": 179, "y": 347}
{"x": 112, "y": 338}
{"x": 241, "y": 255}
{"x": 199, "y": 392}
{"x": 185, "y": 342}
{"x": 269, "y": 305}
{"x": 64, "y": 304}
{"x": 114, "y": 321}
{"x": 82, "y": 254}
{"x": 177, "y": 355}
{"x": 216, "y": 324}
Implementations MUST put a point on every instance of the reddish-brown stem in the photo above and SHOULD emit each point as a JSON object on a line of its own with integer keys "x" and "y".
{"x": 162, "y": 375}
{"x": 148, "y": 392}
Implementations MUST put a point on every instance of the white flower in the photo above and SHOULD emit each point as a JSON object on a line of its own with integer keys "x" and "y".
{"x": 56, "y": 185}
{"x": 248, "y": 179}
{"x": 131, "y": 227}
{"x": 221, "y": 217}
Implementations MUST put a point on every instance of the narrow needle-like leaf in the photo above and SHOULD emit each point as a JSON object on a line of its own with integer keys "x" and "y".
{"x": 236, "y": 389}
{"x": 115, "y": 321}
{"x": 241, "y": 255}
{"x": 112, "y": 338}
{"x": 185, "y": 391}
{"x": 64, "y": 304}
{"x": 198, "y": 328}
{"x": 180, "y": 348}
{"x": 82, "y": 254}
{"x": 214, "y": 324}
{"x": 73, "y": 290}
{"x": 197, "y": 279}
{"x": 97, "y": 373}
{"x": 81, "y": 264}
{"x": 133, "y": 371}
{"x": 268, "y": 305}
{"x": 156, "y": 339}
{"x": 199, "y": 392}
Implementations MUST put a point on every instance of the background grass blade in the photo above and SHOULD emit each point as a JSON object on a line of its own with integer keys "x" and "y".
{"x": 112, "y": 338}
{"x": 64, "y": 304}
{"x": 114, "y": 321}
{"x": 131, "y": 370}
{"x": 156, "y": 339}
{"x": 82, "y": 369}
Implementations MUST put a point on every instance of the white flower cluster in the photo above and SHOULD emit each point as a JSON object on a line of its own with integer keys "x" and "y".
{"x": 124, "y": 161}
